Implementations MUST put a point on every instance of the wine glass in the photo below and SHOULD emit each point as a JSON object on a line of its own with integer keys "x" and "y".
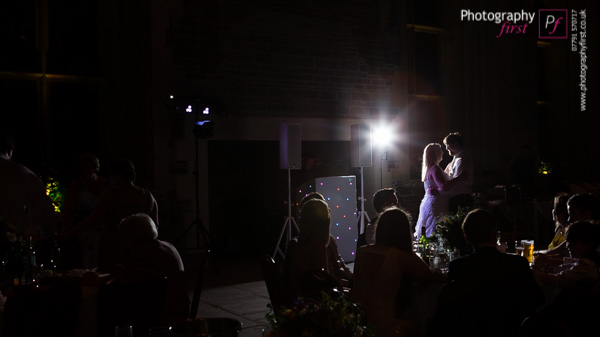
{"x": 160, "y": 331}
{"x": 123, "y": 331}
{"x": 55, "y": 257}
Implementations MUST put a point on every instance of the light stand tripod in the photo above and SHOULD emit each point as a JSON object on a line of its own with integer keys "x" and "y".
{"x": 289, "y": 220}
{"x": 197, "y": 220}
{"x": 362, "y": 213}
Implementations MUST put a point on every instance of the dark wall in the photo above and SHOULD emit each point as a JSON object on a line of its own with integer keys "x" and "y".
{"x": 292, "y": 58}
{"x": 248, "y": 191}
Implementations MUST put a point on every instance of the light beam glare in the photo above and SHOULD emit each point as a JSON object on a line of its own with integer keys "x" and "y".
{"x": 382, "y": 136}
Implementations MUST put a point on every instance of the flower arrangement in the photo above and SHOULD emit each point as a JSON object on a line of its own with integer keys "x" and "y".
{"x": 545, "y": 167}
{"x": 56, "y": 191}
{"x": 449, "y": 227}
{"x": 332, "y": 314}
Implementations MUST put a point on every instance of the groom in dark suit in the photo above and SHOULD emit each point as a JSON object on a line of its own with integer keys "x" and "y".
{"x": 488, "y": 293}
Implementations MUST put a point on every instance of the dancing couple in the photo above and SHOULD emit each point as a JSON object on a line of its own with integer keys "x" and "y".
{"x": 445, "y": 189}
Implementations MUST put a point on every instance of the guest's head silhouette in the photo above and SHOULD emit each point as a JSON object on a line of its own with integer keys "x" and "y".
{"x": 315, "y": 221}
{"x": 393, "y": 229}
{"x": 480, "y": 227}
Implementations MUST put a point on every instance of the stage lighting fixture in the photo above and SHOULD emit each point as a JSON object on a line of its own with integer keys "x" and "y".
{"x": 383, "y": 136}
{"x": 204, "y": 129}
{"x": 170, "y": 103}
{"x": 191, "y": 105}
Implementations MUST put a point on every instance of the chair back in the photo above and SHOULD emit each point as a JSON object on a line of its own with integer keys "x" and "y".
{"x": 274, "y": 281}
{"x": 136, "y": 300}
{"x": 202, "y": 267}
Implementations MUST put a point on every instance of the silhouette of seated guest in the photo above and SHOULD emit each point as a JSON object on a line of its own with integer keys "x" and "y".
{"x": 335, "y": 263}
{"x": 307, "y": 266}
{"x": 487, "y": 293}
{"x": 582, "y": 242}
{"x": 560, "y": 215}
{"x": 83, "y": 191}
{"x": 80, "y": 199}
{"x": 150, "y": 255}
{"x": 121, "y": 199}
{"x": 23, "y": 200}
{"x": 575, "y": 309}
{"x": 580, "y": 207}
{"x": 382, "y": 199}
{"x": 383, "y": 276}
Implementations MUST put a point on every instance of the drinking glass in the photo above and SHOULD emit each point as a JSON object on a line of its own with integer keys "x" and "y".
{"x": 123, "y": 331}
{"x": 528, "y": 249}
{"x": 55, "y": 257}
{"x": 418, "y": 248}
{"x": 160, "y": 331}
{"x": 518, "y": 248}
{"x": 266, "y": 331}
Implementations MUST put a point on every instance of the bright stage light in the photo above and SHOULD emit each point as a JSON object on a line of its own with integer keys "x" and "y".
{"x": 383, "y": 136}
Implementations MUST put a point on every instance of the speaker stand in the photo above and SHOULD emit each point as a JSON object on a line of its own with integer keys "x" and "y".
{"x": 287, "y": 225}
{"x": 360, "y": 222}
{"x": 197, "y": 223}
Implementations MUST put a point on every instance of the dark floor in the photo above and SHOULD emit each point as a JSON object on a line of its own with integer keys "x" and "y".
{"x": 223, "y": 271}
{"x": 233, "y": 288}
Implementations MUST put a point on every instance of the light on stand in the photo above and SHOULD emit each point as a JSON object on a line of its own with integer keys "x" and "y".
{"x": 361, "y": 156}
{"x": 203, "y": 129}
{"x": 382, "y": 137}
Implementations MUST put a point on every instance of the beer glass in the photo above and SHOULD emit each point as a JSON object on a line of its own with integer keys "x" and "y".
{"x": 518, "y": 248}
{"x": 528, "y": 249}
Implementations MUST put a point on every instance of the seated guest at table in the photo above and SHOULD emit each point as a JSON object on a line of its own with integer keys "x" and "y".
{"x": 80, "y": 199}
{"x": 560, "y": 215}
{"x": 582, "y": 242}
{"x": 383, "y": 276}
{"x": 335, "y": 263}
{"x": 23, "y": 200}
{"x": 576, "y": 305}
{"x": 580, "y": 207}
{"x": 148, "y": 254}
{"x": 488, "y": 293}
{"x": 382, "y": 200}
{"x": 83, "y": 191}
{"x": 307, "y": 266}
{"x": 121, "y": 199}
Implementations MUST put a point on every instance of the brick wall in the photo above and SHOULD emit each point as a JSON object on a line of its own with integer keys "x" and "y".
{"x": 293, "y": 58}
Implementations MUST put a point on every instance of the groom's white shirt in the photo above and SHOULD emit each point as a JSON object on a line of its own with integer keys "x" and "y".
{"x": 461, "y": 162}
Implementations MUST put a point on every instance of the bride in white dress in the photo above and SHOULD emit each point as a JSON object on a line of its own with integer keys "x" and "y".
{"x": 437, "y": 183}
